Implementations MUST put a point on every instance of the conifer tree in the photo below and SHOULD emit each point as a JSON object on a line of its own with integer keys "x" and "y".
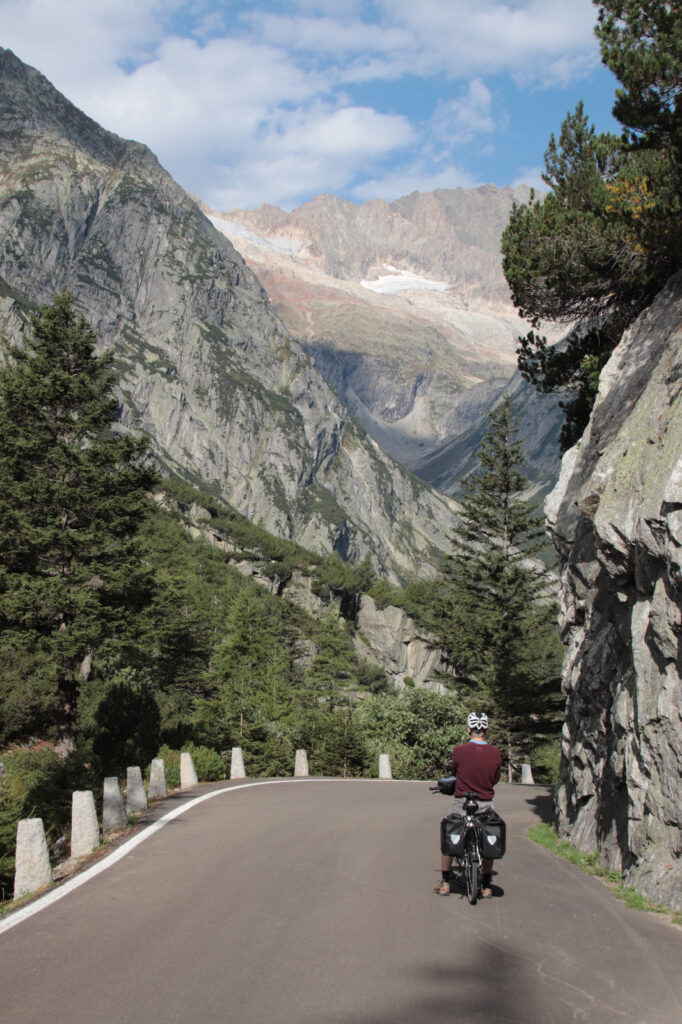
{"x": 601, "y": 245}
{"x": 249, "y": 675}
{"x": 333, "y": 670}
{"x": 72, "y": 496}
{"x": 498, "y": 619}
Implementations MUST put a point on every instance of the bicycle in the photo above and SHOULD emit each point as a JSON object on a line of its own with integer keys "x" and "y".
{"x": 470, "y": 861}
{"x": 469, "y": 840}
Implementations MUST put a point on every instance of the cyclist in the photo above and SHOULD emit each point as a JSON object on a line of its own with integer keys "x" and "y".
{"x": 476, "y": 766}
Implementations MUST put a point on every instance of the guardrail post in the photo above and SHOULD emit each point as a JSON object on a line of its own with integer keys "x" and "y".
{"x": 84, "y": 826}
{"x": 385, "y": 767}
{"x": 301, "y": 765}
{"x": 526, "y": 775}
{"x": 188, "y": 776}
{"x": 237, "y": 764}
{"x": 113, "y": 810}
{"x": 136, "y": 798}
{"x": 32, "y": 869}
{"x": 157, "y": 780}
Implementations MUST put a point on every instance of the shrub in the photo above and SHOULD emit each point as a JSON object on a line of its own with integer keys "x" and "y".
{"x": 208, "y": 764}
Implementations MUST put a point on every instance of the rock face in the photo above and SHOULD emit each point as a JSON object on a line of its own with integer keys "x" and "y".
{"x": 207, "y": 370}
{"x": 387, "y": 637}
{"x": 391, "y": 638}
{"x": 404, "y": 309}
{"x": 616, "y": 520}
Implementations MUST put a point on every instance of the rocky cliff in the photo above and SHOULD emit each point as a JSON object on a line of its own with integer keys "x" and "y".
{"x": 207, "y": 369}
{"x": 616, "y": 520}
{"x": 404, "y": 309}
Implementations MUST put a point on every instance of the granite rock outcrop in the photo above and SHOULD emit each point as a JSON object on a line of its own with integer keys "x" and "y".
{"x": 616, "y": 520}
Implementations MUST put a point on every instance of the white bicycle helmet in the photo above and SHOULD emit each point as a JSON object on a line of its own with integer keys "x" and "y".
{"x": 477, "y": 721}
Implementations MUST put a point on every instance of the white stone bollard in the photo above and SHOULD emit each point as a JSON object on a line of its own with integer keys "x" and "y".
{"x": 136, "y": 798}
{"x": 32, "y": 868}
{"x": 526, "y": 775}
{"x": 84, "y": 827}
{"x": 237, "y": 764}
{"x": 384, "y": 767}
{"x": 157, "y": 780}
{"x": 301, "y": 765}
{"x": 188, "y": 775}
{"x": 113, "y": 809}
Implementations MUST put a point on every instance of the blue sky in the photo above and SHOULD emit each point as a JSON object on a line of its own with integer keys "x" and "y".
{"x": 248, "y": 102}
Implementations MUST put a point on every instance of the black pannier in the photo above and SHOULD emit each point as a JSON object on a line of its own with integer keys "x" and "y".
{"x": 452, "y": 831}
{"x": 493, "y": 834}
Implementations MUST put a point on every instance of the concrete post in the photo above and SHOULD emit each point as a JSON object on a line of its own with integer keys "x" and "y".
{"x": 32, "y": 868}
{"x": 526, "y": 775}
{"x": 237, "y": 764}
{"x": 157, "y": 780}
{"x": 136, "y": 798}
{"x": 188, "y": 775}
{"x": 384, "y": 767}
{"x": 301, "y": 765}
{"x": 84, "y": 827}
{"x": 113, "y": 811}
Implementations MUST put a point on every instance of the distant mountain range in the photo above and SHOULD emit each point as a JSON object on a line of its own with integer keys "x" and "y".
{"x": 401, "y": 308}
{"x": 406, "y": 312}
{"x": 228, "y": 398}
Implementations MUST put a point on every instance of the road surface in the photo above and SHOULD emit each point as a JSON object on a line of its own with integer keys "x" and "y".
{"x": 309, "y": 902}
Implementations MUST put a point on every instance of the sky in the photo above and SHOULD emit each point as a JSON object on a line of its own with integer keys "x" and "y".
{"x": 247, "y": 102}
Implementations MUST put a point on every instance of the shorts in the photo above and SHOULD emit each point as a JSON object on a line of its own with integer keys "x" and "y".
{"x": 457, "y": 805}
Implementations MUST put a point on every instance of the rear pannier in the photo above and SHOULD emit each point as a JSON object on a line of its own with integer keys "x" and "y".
{"x": 452, "y": 831}
{"x": 493, "y": 834}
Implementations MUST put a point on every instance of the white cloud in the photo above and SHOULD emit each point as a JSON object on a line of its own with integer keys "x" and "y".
{"x": 464, "y": 117}
{"x": 320, "y": 149}
{"x": 531, "y": 176}
{"x": 529, "y": 37}
{"x": 254, "y": 100}
{"x": 402, "y": 181}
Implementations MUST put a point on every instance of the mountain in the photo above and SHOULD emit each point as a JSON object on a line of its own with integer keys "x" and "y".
{"x": 229, "y": 399}
{"x": 405, "y": 310}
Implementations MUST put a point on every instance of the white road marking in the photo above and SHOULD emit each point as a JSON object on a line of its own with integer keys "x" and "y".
{"x": 63, "y": 890}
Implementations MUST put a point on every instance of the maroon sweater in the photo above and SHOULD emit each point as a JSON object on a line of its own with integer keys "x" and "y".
{"x": 477, "y": 767}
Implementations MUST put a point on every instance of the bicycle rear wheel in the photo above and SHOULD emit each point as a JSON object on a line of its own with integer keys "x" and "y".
{"x": 472, "y": 872}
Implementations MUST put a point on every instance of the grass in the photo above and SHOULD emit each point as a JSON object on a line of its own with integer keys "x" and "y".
{"x": 589, "y": 863}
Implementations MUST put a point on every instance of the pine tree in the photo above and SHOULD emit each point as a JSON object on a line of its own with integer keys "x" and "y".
{"x": 601, "y": 245}
{"x": 498, "y": 620}
{"x": 333, "y": 670}
{"x": 72, "y": 496}
{"x": 249, "y": 675}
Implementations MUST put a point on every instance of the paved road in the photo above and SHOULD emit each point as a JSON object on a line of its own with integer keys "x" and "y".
{"x": 309, "y": 902}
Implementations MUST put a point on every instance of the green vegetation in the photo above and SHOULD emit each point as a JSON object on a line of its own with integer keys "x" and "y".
{"x": 602, "y": 244}
{"x": 589, "y": 862}
{"x": 122, "y": 637}
{"x": 497, "y": 617}
{"x": 72, "y": 498}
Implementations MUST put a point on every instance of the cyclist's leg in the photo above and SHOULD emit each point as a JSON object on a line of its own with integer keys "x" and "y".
{"x": 486, "y": 880}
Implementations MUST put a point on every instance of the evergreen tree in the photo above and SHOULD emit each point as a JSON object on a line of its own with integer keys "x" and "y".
{"x": 250, "y": 677}
{"x": 72, "y": 497}
{"x": 333, "y": 670}
{"x": 603, "y": 243}
{"x": 498, "y": 621}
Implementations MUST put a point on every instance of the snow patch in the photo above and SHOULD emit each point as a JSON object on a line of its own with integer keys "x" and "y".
{"x": 232, "y": 229}
{"x": 403, "y": 281}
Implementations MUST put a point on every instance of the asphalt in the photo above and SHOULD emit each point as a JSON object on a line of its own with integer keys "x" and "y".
{"x": 310, "y": 902}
